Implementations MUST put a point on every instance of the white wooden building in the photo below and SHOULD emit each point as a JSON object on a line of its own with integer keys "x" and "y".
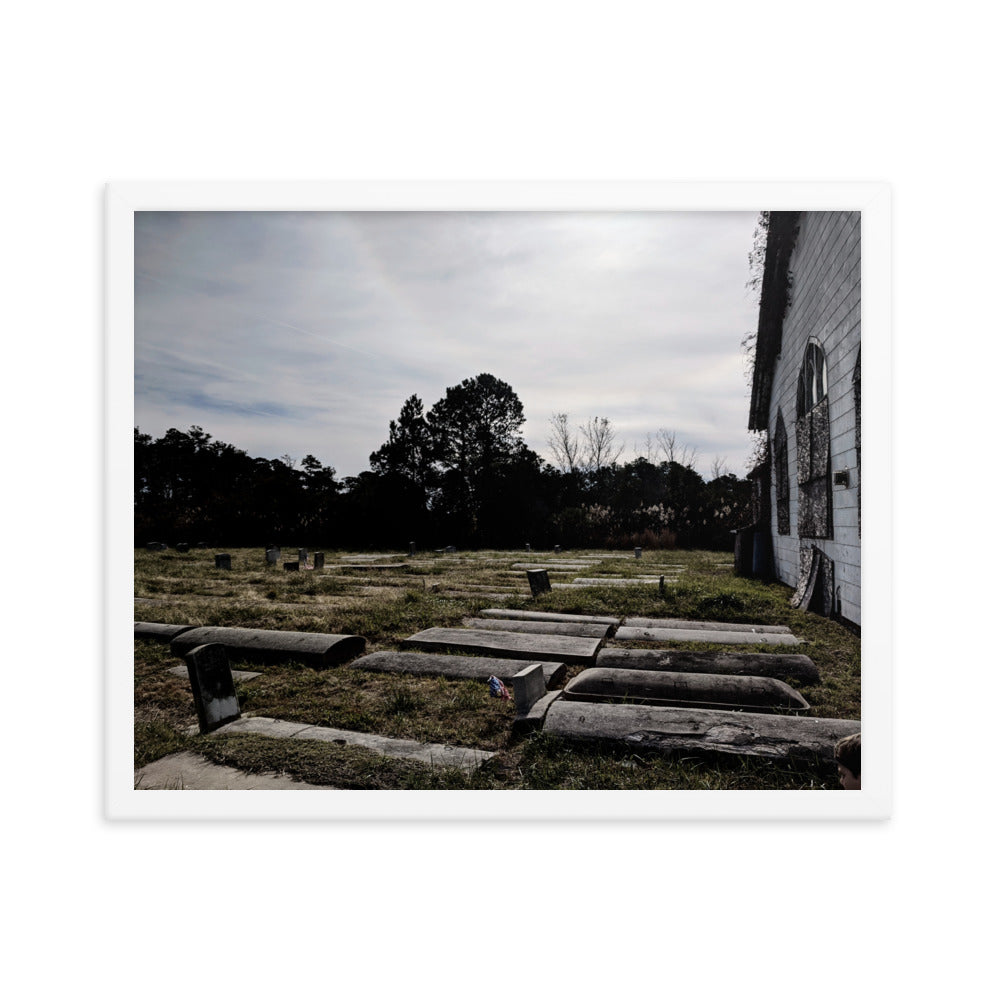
{"x": 807, "y": 396}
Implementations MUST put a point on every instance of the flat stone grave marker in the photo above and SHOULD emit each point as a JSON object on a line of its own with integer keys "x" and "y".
{"x": 538, "y": 580}
{"x": 552, "y": 565}
{"x": 434, "y": 754}
{"x": 612, "y": 581}
{"x": 785, "y": 666}
{"x": 546, "y": 616}
{"x": 587, "y": 629}
{"x": 372, "y": 566}
{"x": 708, "y": 626}
{"x": 664, "y": 687}
{"x": 212, "y": 686}
{"x": 734, "y": 637}
{"x": 479, "y": 668}
{"x": 507, "y": 645}
{"x": 692, "y": 730}
{"x": 224, "y": 561}
{"x": 316, "y": 649}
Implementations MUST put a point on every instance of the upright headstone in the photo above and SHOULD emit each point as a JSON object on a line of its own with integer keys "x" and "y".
{"x": 638, "y": 552}
{"x": 538, "y": 580}
{"x": 450, "y": 548}
{"x": 183, "y": 546}
{"x": 292, "y": 567}
{"x": 413, "y": 548}
{"x": 271, "y": 555}
{"x": 223, "y": 561}
{"x": 303, "y": 556}
{"x": 529, "y": 686}
{"x": 153, "y": 546}
{"x": 558, "y": 549}
{"x": 212, "y": 686}
{"x": 319, "y": 560}
{"x": 527, "y": 548}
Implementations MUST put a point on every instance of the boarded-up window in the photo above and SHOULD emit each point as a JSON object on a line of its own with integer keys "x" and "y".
{"x": 857, "y": 428}
{"x": 812, "y": 441}
{"x": 782, "y": 487}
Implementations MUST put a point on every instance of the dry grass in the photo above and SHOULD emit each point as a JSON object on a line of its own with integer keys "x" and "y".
{"x": 386, "y": 606}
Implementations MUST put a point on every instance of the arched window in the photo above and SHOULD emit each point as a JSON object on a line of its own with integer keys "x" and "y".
{"x": 782, "y": 489}
{"x": 812, "y": 441}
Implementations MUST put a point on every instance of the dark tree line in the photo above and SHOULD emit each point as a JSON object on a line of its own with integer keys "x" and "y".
{"x": 459, "y": 474}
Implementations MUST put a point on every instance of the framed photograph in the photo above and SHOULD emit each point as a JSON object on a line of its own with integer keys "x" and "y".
{"x": 456, "y": 500}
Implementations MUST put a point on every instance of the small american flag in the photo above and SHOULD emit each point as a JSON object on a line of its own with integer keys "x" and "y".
{"x": 498, "y": 689}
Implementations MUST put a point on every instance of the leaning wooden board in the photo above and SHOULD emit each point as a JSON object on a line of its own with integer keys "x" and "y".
{"x": 507, "y": 645}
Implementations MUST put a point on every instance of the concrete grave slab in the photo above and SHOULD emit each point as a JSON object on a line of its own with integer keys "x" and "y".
{"x": 547, "y": 616}
{"x": 789, "y": 667}
{"x": 654, "y": 727}
{"x": 478, "y": 668}
{"x": 611, "y": 581}
{"x": 157, "y": 631}
{"x": 186, "y": 771}
{"x": 662, "y": 687}
{"x": 708, "y": 626}
{"x": 587, "y": 629}
{"x": 316, "y": 649}
{"x": 238, "y": 675}
{"x": 434, "y": 754}
{"x": 703, "y": 635}
{"x": 507, "y": 645}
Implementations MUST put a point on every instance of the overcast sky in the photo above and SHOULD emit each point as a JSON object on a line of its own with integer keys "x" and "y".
{"x": 304, "y": 332}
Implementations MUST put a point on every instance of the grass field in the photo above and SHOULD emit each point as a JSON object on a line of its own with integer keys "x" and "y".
{"x": 351, "y": 596}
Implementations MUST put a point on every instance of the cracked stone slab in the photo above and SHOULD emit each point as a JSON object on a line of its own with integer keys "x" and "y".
{"x": 507, "y": 645}
{"x": 712, "y": 626}
{"x": 658, "y": 728}
{"x": 434, "y": 754}
{"x": 704, "y": 635}
{"x": 186, "y": 771}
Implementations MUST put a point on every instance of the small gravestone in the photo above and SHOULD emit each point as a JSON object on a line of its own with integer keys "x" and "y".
{"x": 152, "y": 546}
{"x": 303, "y": 556}
{"x": 223, "y": 561}
{"x": 538, "y": 580}
{"x": 319, "y": 560}
{"x": 183, "y": 546}
{"x": 201, "y": 545}
{"x": 212, "y": 686}
{"x": 292, "y": 567}
{"x": 527, "y": 548}
{"x": 529, "y": 686}
{"x": 271, "y": 555}
{"x": 413, "y": 548}
{"x": 663, "y": 589}
{"x": 450, "y": 549}
{"x": 558, "y": 549}
{"x": 638, "y": 552}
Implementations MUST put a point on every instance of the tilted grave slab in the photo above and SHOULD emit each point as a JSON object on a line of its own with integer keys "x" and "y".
{"x": 546, "y": 616}
{"x": 614, "y": 581}
{"x": 690, "y": 730}
{"x": 316, "y": 649}
{"x": 665, "y": 687}
{"x": 456, "y": 668}
{"x": 507, "y": 645}
{"x": 159, "y": 632}
{"x": 434, "y": 754}
{"x": 706, "y": 635}
{"x": 586, "y": 629}
{"x": 789, "y": 667}
{"x": 710, "y": 626}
